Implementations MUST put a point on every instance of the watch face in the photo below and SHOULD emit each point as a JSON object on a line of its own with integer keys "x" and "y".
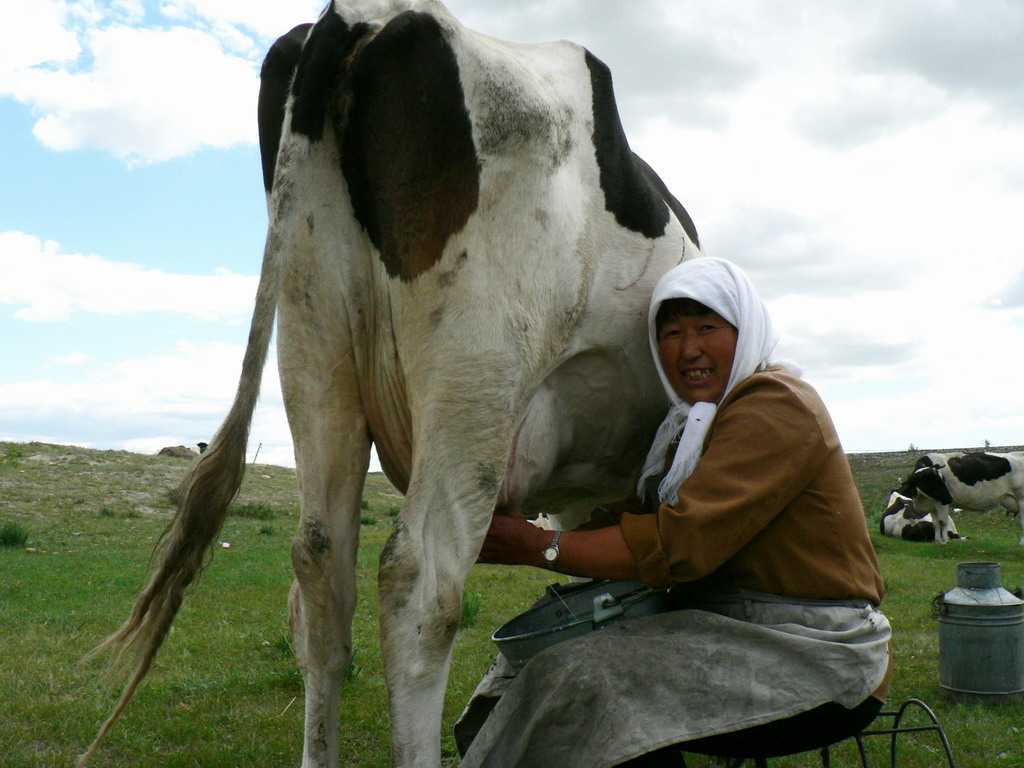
{"x": 551, "y": 552}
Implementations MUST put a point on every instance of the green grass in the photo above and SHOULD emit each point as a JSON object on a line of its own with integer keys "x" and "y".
{"x": 255, "y": 511}
{"x": 226, "y": 692}
{"x": 472, "y": 602}
{"x": 12, "y": 535}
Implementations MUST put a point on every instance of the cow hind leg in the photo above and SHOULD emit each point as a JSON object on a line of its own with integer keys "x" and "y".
{"x": 422, "y": 572}
{"x": 1012, "y": 504}
{"x": 332, "y": 448}
{"x": 942, "y": 523}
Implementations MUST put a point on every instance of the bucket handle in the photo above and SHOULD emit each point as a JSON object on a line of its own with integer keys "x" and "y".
{"x": 606, "y": 608}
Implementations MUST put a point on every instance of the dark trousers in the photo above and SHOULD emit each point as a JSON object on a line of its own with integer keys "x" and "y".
{"x": 813, "y": 729}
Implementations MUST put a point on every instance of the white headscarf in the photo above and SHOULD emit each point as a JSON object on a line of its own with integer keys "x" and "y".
{"x": 723, "y": 287}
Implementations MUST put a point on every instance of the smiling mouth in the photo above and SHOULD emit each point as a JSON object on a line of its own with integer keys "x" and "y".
{"x": 697, "y": 374}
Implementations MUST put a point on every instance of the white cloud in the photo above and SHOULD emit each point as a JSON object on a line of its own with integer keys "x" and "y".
{"x": 144, "y": 404}
{"x": 861, "y": 108}
{"x": 147, "y": 403}
{"x": 942, "y": 412}
{"x": 37, "y": 37}
{"x": 150, "y": 95}
{"x": 971, "y": 51}
{"x": 268, "y": 19}
{"x": 1012, "y": 294}
{"x": 49, "y": 285}
{"x": 97, "y": 79}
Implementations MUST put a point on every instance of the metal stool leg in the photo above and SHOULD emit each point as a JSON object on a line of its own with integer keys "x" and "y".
{"x": 860, "y": 749}
{"x": 896, "y": 729}
{"x": 893, "y": 732}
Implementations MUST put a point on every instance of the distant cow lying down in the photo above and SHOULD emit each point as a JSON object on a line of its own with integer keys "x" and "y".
{"x": 902, "y": 520}
{"x": 967, "y": 480}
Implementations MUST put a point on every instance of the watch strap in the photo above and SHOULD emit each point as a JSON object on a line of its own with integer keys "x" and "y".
{"x": 552, "y": 553}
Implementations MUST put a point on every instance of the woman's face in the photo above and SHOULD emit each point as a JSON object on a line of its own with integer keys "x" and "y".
{"x": 696, "y": 354}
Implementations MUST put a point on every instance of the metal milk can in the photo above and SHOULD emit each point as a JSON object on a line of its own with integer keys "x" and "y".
{"x": 981, "y": 637}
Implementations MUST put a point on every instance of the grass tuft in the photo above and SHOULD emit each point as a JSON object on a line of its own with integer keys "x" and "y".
{"x": 12, "y": 535}
{"x": 254, "y": 511}
{"x": 471, "y": 604}
{"x": 353, "y": 670}
{"x": 12, "y": 455}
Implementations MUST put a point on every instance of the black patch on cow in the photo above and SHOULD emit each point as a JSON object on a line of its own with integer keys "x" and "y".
{"x": 319, "y": 73}
{"x": 628, "y": 195}
{"x": 905, "y": 504}
{"x": 895, "y": 507}
{"x": 922, "y": 530}
{"x": 407, "y": 147}
{"x": 929, "y": 482}
{"x": 275, "y": 79}
{"x": 924, "y": 461}
{"x": 915, "y": 530}
{"x": 975, "y": 468}
{"x": 670, "y": 200}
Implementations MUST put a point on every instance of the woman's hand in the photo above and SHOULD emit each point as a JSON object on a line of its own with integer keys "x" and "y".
{"x": 600, "y": 554}
{"x": 513, "y": 540}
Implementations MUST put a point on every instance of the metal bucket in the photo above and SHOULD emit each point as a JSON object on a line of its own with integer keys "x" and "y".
{"x": 571, "y": 610}
{"x": 981, "y": 637}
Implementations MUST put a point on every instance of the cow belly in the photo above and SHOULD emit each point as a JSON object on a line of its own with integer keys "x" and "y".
{"x": 980, "y": 497}
{"x": 584, "y": 433}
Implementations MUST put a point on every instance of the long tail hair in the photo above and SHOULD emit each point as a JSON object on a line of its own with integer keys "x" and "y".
{"x": 185, "y": 549}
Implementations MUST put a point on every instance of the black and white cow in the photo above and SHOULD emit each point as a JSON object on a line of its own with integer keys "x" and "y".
{"x": 902, "y": 520}
{"x": 975, "y": 481}
{"x": 460, "y": 255}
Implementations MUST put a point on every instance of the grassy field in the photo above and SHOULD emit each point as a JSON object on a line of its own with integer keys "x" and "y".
{"x": 76, "y": 530}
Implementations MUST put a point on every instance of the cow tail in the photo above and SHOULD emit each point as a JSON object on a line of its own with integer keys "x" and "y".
{"x": 186, "y": 547}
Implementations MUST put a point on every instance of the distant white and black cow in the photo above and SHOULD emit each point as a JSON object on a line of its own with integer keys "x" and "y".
{"x": 460, "y": 255}
{"x": 975, "y": 481}
{"x": 902, "y": 520}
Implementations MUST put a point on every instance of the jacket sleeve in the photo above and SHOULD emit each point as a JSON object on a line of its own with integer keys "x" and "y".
{"x": 764, "y": 448}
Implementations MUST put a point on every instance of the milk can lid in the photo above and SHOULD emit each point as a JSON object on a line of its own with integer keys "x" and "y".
{"x": 978, "y": 584}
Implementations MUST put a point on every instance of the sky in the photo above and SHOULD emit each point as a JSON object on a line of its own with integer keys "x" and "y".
{"x": 862, "y": 160}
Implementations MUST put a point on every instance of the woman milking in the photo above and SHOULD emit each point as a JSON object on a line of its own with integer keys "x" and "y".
{"x": 747, "y": 512}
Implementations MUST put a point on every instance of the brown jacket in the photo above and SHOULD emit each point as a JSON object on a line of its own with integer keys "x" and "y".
{"x": 772, "y": 505}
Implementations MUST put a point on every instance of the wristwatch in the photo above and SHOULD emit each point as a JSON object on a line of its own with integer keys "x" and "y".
{"x": 551, "y": 552}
